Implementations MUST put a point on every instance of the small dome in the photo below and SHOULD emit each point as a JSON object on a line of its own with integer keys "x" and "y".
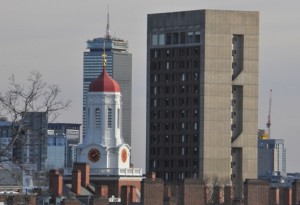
{"x": 104, "y": 83}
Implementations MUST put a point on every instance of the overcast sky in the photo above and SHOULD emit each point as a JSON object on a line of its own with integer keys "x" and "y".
{"x": 50, "y": 36}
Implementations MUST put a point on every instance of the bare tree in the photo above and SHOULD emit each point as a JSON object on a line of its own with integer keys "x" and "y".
{"x": 35, "y": 96}
{"x": 215, "y": 188}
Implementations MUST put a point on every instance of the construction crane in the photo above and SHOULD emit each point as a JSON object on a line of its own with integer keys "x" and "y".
{"x": 269, "y": 115}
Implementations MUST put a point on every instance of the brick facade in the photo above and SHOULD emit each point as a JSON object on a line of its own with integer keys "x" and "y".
{"x": 152, "y": 190}
{"x": 296, "y": 192}
{"x": 256, "y": 192}
{"x": 192, "y": 191}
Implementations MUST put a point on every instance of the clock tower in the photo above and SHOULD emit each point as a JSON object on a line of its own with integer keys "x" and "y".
{"x": 103, "y": 146}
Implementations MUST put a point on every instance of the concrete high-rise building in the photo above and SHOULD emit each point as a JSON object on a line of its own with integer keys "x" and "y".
{"x": 119, "y": 67}
{"x": 271, "y": 157}
{"x": 31, "y": 147}
{"x": 202, "y": 95}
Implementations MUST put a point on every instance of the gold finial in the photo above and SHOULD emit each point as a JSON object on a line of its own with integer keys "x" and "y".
{"x": 104, "y": 55}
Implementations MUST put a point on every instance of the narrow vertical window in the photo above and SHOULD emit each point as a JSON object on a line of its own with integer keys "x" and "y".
{"x": 161, "y": 40}
{"x": 88, "y": 118}
{"x": 154, "y": 39}
{"x": 118, "y": 119}
{"x": 109, "y": 116}
{"x": 97, "y": 117}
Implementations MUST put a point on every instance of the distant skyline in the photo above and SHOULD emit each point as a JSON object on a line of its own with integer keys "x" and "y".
{"x": 51, "y": 37}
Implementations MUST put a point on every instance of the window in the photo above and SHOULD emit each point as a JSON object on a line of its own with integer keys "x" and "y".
{"x": 195, "y": 150}
{"x": 182, "y": 151}
{"x": 118, "y": 119}
{"x": 197, "y": 37}
{"x": 154, "y": 39}
{"x": 155, "y": 102}
{"x": 175, "y": 38}
{"x": 168, "y": 65}
{"x": 169, "y": 38}
{"x": 182, "y": 113}
{"x": 195, "y": 113}
{"x": 155, "y": 90}
{"x": 161, "y": 39}
{"x": 233, "y": 52}
{"x": 167, "y": 139}
{"x": 195, "y": 89}
{"x": 97, "y": 118}
{"x": 183, "y": 77}
{"x": 167, "y": 102}
{"x": 109, "y": 118}
{"x": 167, "y": 52}
{"x": 182, "y": 125}
{"x": 190, "y": 37}
{"x": 88, "y": 118}
{"x": 195, "y": 76}
{"x": 182, "y": 37}
{"x": 233, "y": 64}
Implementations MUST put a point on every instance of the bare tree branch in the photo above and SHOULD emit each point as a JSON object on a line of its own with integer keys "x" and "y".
{"x": 34, "y": 96}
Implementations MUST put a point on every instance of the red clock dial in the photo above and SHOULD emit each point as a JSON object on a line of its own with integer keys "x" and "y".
{"x": 124, "y": 155}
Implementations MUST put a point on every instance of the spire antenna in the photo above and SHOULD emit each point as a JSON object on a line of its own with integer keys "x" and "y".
{"x": 107, "y": 24}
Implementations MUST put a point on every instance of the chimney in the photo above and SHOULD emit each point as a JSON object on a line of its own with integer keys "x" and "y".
{"x": 133, "y": 196}
{"x": 151, "y": 175}
{"x": 296, "y": 191}
{"x": 125, "y": 195}
{"x": 128, "y": 194}
{"x": 274, "y": 196}
{"x": 55, "y": 182}
{"x": 218, "y": 194}
{"x": 228, "y": 195}
{"x": 85, "y": 172}
{"x": 102, "y": 191}
{"x": 287, "y": 196}
{"x": 76, "y": 181}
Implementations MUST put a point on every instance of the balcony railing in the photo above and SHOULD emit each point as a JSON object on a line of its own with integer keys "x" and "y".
{"x": 110, "y": 172}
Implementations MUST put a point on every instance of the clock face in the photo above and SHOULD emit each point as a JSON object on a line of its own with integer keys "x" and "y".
{"x": 94, "y": 155}
{"x": 124, "y": 155}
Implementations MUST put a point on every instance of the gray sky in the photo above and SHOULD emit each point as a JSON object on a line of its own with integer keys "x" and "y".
{"x": 50, "y": 36}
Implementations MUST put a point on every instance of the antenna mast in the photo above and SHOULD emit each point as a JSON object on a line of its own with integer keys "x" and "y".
{"x": 107, "y": 24}
{"x": 269, "y": 115}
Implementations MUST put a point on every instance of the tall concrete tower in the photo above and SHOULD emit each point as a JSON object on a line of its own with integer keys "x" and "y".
{"x": 202, "y": 95}
{"x": 119, "y": 67}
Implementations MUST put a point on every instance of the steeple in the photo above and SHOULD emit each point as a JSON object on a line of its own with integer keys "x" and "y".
{"x": 107, "y": 24}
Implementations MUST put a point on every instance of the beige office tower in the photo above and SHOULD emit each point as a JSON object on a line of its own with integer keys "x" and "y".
{"x": 202, "y": 95}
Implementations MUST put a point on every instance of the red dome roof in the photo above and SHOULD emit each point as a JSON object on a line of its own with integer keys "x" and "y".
{"x": 104, "y": 83}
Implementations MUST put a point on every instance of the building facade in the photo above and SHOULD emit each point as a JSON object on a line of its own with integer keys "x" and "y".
{"x": 5, "y": 139}
{"x": 271, "y": 157}
{"x": 202, "y": 90}
{"x": 71, "y": 133}
{"x": 31, "y": 147}
{"x": 56, "y": 152}
{"x": 119, "y": 66}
